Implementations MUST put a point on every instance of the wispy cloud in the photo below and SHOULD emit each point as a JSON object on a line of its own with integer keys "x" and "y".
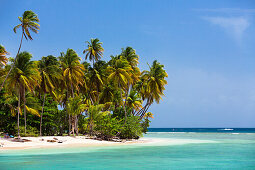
{"x": 234, "y": 21}
{"x": 235, "y": 26}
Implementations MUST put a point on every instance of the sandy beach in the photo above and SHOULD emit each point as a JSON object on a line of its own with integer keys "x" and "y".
{"x": 67, "y": 141}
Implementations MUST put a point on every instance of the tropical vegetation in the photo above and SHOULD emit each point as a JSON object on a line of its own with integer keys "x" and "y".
{"x": 60, "y": 95}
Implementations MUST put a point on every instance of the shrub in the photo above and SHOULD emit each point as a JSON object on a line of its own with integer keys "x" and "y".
{"x": 107, "y": 127}
{"x": 132, "y": 129}
{"x": 31, "y": 131}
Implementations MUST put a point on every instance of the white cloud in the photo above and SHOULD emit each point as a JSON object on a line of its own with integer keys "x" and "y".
{"x": 235, "y": 26}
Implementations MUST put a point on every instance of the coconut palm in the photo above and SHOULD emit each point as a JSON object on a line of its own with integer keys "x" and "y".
{"x": 29, "y": 22}
{"x": 120, "y": 75}
{"x": 154, "y": 84}
{"x": 94, "y": 51}
{"x": 3, "y": 58}
{"x": 23, "y": 76}
{"x": 50, "y": 74}
{"x": 72, "y": 72}
{"x": 32, "y": 107}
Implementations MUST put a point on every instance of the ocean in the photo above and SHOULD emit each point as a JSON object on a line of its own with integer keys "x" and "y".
{"x": 179, "y": 148}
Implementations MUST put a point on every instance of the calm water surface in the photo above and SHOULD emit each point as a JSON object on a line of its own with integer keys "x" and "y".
{"x": 198, "y": 150}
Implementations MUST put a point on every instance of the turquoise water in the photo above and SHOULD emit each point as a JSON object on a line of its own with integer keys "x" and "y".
{"x": 188, "y": 151}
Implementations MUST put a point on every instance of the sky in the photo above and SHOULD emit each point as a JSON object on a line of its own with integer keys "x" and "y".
{"x": 207, "y": 48}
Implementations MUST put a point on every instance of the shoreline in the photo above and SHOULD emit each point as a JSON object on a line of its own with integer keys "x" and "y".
{"x": 68, "y": 141}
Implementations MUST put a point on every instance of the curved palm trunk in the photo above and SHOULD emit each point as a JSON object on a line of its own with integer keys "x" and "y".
{"x": 42, "y": 114}
{"x": 25, "y": 116}
{"x": 14, "y": 61}
{"x": 18, "y": 114}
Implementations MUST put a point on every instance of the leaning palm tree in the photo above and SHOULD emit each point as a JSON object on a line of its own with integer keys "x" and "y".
{"x": 3, "y": 58}
{"x": 154, "y": 82}
{"x": 50, "y": 74}
{"x": 94, "y": 51}
{"x": 29, "y": 22}
{"x": 23, "y": 76}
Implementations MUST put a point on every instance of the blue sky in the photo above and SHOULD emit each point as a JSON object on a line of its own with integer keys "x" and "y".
{"x": 207, "y": 48}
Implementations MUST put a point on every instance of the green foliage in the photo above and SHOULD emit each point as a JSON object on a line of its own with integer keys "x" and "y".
{"x": 132, "y": 129}
{"x": 145, "y": 124}
{"x": 108, "y": 127}
{"x": 105, "y": 99}
{"x": 31, "y": 131}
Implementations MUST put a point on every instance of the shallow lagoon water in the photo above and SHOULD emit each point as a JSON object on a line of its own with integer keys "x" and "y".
{"x": 174, "y": 151}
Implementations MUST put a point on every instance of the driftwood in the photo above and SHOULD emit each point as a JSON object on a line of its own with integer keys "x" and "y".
{"x": 51, "y": 141}
{"x": 20, "y": 140}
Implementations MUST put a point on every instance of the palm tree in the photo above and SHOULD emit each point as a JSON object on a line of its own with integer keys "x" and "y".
{"x": 11, "y": 101}
{"x": 73, "y": 73}
{"x": 50, "y": 74}
{"x": 96, "y": 82}
{"x": 3, "y": 58}
{"x": 120, "y": 75}
{"x": 23, "y": 76}
{"x": 29, "y": 22}
{"x": 94, "y": 51}
{"x": 153, "y": 85}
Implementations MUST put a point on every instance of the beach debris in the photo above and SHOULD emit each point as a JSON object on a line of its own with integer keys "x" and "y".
{"x": 60, "y": 141}
{"x": 51, "y": 141}
{"x": 55, "y": 138}
{"x": 41, "y": 139}
{"x": 20, "y": 140}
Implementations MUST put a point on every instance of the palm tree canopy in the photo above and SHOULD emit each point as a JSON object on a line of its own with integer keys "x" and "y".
{"x": 29, "y": 22}
{"x": 94, "y": 50}
{"x": 130, "y": 54}
{"x": 50, "y": 73}
{"x": 76, "y": 106}
{"x": 72, "y": 68}
{"x": 24, "y": 73}
{"x": 134, "y": 100}
{"x": 119, "y": 72}
{"x": 3, "y": 58}
{"x": 154, "y": 82}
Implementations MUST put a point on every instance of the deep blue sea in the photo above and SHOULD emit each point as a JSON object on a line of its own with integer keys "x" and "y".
{"x": 173, "y": 148}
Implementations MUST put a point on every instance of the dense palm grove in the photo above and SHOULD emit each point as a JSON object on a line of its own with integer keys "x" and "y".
{"x": 98, "y": 98}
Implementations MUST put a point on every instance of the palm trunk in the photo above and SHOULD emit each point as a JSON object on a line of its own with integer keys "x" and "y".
{"x": 76, "y": 125}
{"x": 73, "y": 125}
{"x": 69, "y": 117}
{"x": 14, "y": 61}
{"x": 42, "y": 113}
{"x": 123, "y": 104}
{"x": 18, "y": 114}
{"x": 25, "y": 116}
{"x": 73, "y": 117}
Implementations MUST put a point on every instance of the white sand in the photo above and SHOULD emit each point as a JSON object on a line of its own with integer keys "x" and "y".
{"x": 36, "y": 142}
